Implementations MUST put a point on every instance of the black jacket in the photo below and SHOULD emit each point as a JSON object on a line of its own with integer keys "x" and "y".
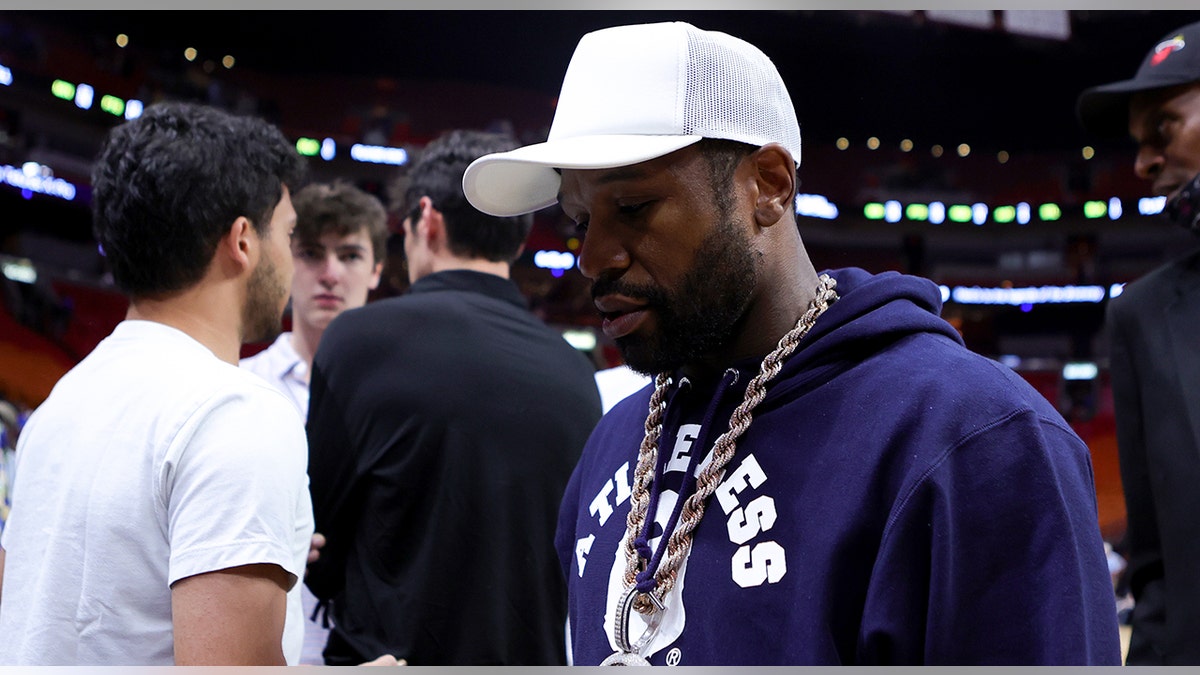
{"x": 1154, "y": 328}
{"x": 443, "y": 426}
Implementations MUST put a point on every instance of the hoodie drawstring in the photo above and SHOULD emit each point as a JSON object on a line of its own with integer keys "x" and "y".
{"x": 645, "y": 578}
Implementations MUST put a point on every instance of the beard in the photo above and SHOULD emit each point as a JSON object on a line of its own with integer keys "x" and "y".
{"x": 700, "y": 316}
{"x": 262, "y": 318}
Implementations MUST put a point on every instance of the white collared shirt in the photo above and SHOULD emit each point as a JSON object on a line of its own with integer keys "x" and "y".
{"x": 280, "y": 365}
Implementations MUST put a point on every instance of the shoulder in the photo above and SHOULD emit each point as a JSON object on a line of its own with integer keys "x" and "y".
{"x": 244, "y": 422}
{"x": 231, "y": 399}
{"x": 380, "y": 317}
{"x": 1151, "y": 287}
{"x": 967, "y": 391}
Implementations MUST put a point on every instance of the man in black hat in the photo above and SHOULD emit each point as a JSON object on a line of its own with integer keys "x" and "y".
{"x": 1155, "y": 354}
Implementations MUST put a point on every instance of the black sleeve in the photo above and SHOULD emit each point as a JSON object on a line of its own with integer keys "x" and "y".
{"x": 1146, "y": 645}
{"x": 333, "y": 480}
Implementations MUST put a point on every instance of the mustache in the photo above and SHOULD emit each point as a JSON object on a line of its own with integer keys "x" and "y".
{"x": 653, "y": 295}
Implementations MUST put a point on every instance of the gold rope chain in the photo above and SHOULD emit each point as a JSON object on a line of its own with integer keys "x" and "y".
{"x": 680, "y": 541}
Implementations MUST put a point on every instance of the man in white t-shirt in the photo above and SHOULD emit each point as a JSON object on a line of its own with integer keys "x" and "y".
{"x": 161, "y": 513}
{"x": 337, "y": 249}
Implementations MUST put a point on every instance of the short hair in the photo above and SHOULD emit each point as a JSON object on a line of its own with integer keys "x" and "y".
{"x": 438, "y": 175}
{"x": 722, "y": 157}
{"x": 167, "y": 185}
{"x": 341, "y": 209}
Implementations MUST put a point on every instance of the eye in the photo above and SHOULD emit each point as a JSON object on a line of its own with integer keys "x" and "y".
{"x": 631, "y": 209}
{"x": 351, "y": 257}
{"x": 1160, "y": 134}
{"x": 308, "y": 253}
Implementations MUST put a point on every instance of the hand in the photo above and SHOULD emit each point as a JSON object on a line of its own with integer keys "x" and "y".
{"x": 385, "y": 660}
{"x": 315, "y": 546}
{"x": 314, "y": 549}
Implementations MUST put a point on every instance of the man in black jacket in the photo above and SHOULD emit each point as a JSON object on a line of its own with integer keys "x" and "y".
{"x": 1153, "y": 328}
{"x": 443, "y": 426}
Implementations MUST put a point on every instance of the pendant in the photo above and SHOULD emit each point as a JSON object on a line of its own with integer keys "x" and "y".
{"x": 624, "y": 659}
{"x": 621, "y": 622}
{"x": 628, "y": 654}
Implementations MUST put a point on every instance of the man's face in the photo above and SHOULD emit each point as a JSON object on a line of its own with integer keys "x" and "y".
{"x": 268, "y": 289}
{"x": 333, "y": 274}
{"x": 1165, "y": 123}
{"x": 673, "y": 272}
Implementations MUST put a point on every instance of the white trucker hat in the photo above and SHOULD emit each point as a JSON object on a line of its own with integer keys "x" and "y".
{"x": 634, "y": 93}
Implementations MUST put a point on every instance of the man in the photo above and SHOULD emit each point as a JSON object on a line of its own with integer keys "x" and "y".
{"x": 1154, "y": 355}
{"x": 822, "y": 472}
{"x": 337, "y": 250}
{"x": 443, "y": 426}
{"x": 160, "y": 512}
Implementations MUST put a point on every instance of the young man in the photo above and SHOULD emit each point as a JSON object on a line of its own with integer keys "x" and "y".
{"x": 822, "y": 473}
{"x": 161, "y": 512}
{"x": 337, "y": 249}
{"x": 1155, "y": 362}
{"x": 443, "y": 427}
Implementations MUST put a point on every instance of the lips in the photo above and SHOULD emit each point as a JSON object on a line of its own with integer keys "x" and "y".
{"x": 327, "y": 300}
{"x": 1164, "y": 189}
{"x": 621, "y": 315}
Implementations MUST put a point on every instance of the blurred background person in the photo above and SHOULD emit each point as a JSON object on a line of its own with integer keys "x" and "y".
{"x": 1155, "y": 354}
{"x": 338, "y": 252}
{"x": 443, "y": 427}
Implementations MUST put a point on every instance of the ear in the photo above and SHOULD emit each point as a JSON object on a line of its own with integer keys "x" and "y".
{"x": 775, "y": 181}
{"x": 431, "y": 228}
{"x": 240, "y": 245}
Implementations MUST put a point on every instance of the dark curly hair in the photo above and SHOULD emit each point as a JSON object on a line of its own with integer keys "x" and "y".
{"x": 167, "y": 186}
{"x": 340, "y": 208}
{"x": 438, "y": 175}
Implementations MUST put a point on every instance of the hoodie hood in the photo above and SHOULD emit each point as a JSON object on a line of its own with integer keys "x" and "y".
{"x": 872, "y": 310}
{"x": 872, "y": 307}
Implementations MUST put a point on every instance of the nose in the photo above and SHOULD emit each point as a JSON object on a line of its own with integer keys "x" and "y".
{"x": 1149, "y": 162}
{"x": 602, "y": 253}
{"x": 331, "y": 271}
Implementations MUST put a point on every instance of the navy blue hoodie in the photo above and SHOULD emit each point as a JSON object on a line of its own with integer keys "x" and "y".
{"x": 897, "y": 499}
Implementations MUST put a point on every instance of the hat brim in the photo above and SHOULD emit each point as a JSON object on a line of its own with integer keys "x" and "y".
{"x": 1104, "y": 110}
{"x": 527, "y": 179}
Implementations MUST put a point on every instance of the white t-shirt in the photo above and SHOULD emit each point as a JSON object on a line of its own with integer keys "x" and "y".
{"x": 151, "y": 461}
{"x": 281, "y": 366}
